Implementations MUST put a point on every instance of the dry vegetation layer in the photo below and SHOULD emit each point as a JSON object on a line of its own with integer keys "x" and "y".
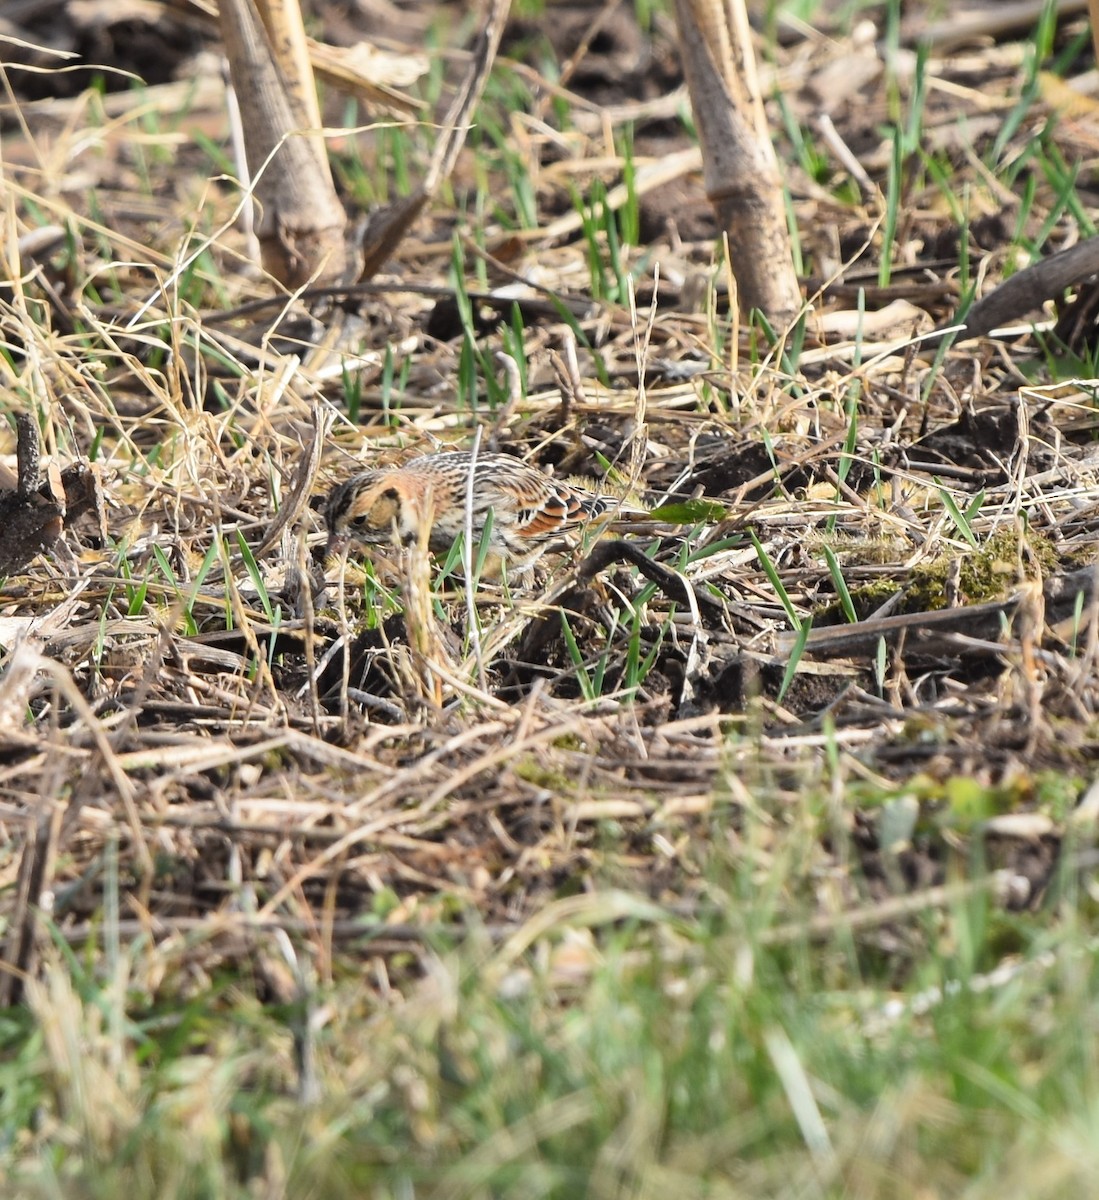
{"x": 177, "y": 676}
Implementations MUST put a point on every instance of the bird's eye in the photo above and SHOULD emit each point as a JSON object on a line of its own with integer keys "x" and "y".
{"x": 362, "y": 521}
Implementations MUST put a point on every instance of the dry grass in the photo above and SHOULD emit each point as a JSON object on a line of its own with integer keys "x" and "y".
{"x": 179, "y": 702}
{"x": 192, "y": 697}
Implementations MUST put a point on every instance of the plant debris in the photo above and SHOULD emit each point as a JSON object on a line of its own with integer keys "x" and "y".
{"x": 194, "y": 700}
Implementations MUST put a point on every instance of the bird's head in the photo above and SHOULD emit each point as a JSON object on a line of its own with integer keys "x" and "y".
{"x": 371, "y": 509}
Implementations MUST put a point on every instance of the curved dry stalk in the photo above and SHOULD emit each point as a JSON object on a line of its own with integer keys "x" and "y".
{"x": 386, "y": 229}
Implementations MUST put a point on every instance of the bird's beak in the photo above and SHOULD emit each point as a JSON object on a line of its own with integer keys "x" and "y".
{"x": 337, "y": 544}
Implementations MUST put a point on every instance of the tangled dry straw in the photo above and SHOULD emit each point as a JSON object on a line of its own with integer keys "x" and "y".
{"x": 252, "y": 747}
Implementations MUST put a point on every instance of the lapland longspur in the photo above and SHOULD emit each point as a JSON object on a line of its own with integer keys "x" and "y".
{"x": 528, "y": 509}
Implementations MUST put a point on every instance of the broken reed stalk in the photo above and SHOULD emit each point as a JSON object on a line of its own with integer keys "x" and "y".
{"x": 32, "y": 516}
{"x": 741, "y": 171}
{"x": 301, "y": 223}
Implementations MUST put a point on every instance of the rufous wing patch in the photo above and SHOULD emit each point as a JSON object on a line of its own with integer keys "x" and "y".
{"x": 542, "y": 522}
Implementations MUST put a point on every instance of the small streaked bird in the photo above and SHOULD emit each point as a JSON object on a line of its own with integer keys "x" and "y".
{"x": 529, "y": 510}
